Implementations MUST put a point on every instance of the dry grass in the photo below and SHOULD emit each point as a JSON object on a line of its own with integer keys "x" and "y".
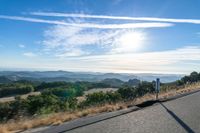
{"x": 59, "y": 118}
{"x": 56, "y": 119}
{"x": 181, "y": 90}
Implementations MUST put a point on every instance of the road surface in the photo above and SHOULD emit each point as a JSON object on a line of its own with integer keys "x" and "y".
{"x": 181, "y": 115}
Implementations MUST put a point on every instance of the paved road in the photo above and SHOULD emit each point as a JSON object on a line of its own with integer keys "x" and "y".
{"x": 181, "y": 115}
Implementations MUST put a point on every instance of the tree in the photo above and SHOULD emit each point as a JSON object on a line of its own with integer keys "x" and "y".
{"x": 194, "y": 76}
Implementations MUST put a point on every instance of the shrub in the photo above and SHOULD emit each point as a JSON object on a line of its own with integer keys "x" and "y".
{"x": 101, "y": 98}
{"x": 15, "y": 89}
{"x": 144, "y": 88}
{"x": 127, "y": 93}
{"x": 113, "y": 97}
{"x": 61, "y": 92}
{"x": 37, "y": 104}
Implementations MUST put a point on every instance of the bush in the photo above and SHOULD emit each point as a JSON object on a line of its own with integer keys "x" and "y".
{"x": 101, "y": 98}
{"x": 38, "y": 104}
{"x": 61, "y": 92}
{"x": 113, "y": 97}
{"x": 193, "y": 77}
{"x": 6, "y": 112}
{"x": 15, "y": 89}
{"x": 128, "y": 93}
{"x": 144, "y": 88}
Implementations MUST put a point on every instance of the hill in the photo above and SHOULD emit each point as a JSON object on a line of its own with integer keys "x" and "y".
{"x": 51, "y": 76}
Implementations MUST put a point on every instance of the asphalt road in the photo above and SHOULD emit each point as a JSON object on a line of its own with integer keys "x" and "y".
{"x": 181, "y": 115}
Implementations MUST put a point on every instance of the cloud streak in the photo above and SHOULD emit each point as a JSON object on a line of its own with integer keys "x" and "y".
{"x": 30, "y": 54}
{"x": 181, "y": 60}
{"x": 160, "y": 61}
{"x": 21, "y": 46}
{"x": 89, "y": 25}
{"x": 66, "y": 41}
{"x": 169, "y": 20}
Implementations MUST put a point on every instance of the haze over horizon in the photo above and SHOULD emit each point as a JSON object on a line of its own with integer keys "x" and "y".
{"x": 121, "y": 36}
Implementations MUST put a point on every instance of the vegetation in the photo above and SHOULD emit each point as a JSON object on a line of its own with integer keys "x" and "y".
{"x": 62, "y": 96}
{"x": 190, "y": 79}
{"x": 97, "y": 98}
{"x": 193, "y": 77}
{"x": 15, "y": 88}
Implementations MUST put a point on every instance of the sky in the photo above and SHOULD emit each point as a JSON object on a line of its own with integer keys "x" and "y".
{"x": 122, "y": 36}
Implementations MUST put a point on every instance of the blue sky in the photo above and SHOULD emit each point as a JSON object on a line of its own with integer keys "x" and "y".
{"x": 128, "y": 36}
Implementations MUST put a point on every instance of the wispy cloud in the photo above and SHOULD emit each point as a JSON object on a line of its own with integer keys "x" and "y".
{"x": 89, "y": 25}
{"x": 30, "y": 54}
{"x": 70, "y": 38}
{"x": 181, "y": 60}
{"x": 74, "y": 41}
{"x": 21, "y": 46}
{"x": 170, "y": 20}
{"x": 160, "y": 61}
{"x": 70, "y": 41}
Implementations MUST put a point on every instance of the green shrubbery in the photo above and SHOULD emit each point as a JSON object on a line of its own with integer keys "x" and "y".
{"x": 130, "y": 93}
{"x": 36, "y": 105}
{"x": 97, "y": 98}
{"x": 15, "y": 89}
{"x": 61, "y": 96}
{"x": 193, "y": 77}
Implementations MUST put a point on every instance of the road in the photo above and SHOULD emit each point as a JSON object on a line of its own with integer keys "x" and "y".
{"x": 181, "y": 115}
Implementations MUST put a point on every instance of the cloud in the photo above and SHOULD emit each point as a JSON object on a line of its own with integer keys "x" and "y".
{"x": 90, "y": 25}
{"x": 180, "y": 60}
{"x": 70, "y": 41}
{"x": 30, "y": 54}
{"x": 76, "y": 41}
{"x": 21, "y": 46}
{"x": 170, "y": 20}
{"x": 71, "y": 53}
{"x": 177, "y": 60}
{"x": 71, "y": 38}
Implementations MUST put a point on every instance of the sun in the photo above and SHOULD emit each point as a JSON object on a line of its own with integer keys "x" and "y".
{"x": 130, "y": 41}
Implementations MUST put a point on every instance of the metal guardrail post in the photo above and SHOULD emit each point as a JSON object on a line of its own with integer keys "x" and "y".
{"x": 157, "y": 87}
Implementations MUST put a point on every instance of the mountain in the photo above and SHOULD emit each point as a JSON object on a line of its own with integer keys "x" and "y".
{"x": 113, "y": 82}
{"x": 132, "y": 82}
{"x": 50, "y": 76}
{"x": 3, "y": 79}
{"x": 163, "y": 77}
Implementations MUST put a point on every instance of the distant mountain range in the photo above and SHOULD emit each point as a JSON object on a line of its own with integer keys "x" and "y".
{"x": 50, "y": 76}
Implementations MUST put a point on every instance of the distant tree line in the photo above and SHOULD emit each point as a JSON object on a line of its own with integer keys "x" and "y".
{"x": 17, "y": 88}
{"x": 66, "y": 88}
{"x": 188, "y": 79}
{"x": 193, "y": 77}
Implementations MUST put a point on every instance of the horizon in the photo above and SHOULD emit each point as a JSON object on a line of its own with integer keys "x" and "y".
{"x": 116, "y": 36}
{"x": 92, "y": 72}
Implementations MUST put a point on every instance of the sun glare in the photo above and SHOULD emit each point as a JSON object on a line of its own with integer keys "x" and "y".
{"x": 130, "y": 41}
